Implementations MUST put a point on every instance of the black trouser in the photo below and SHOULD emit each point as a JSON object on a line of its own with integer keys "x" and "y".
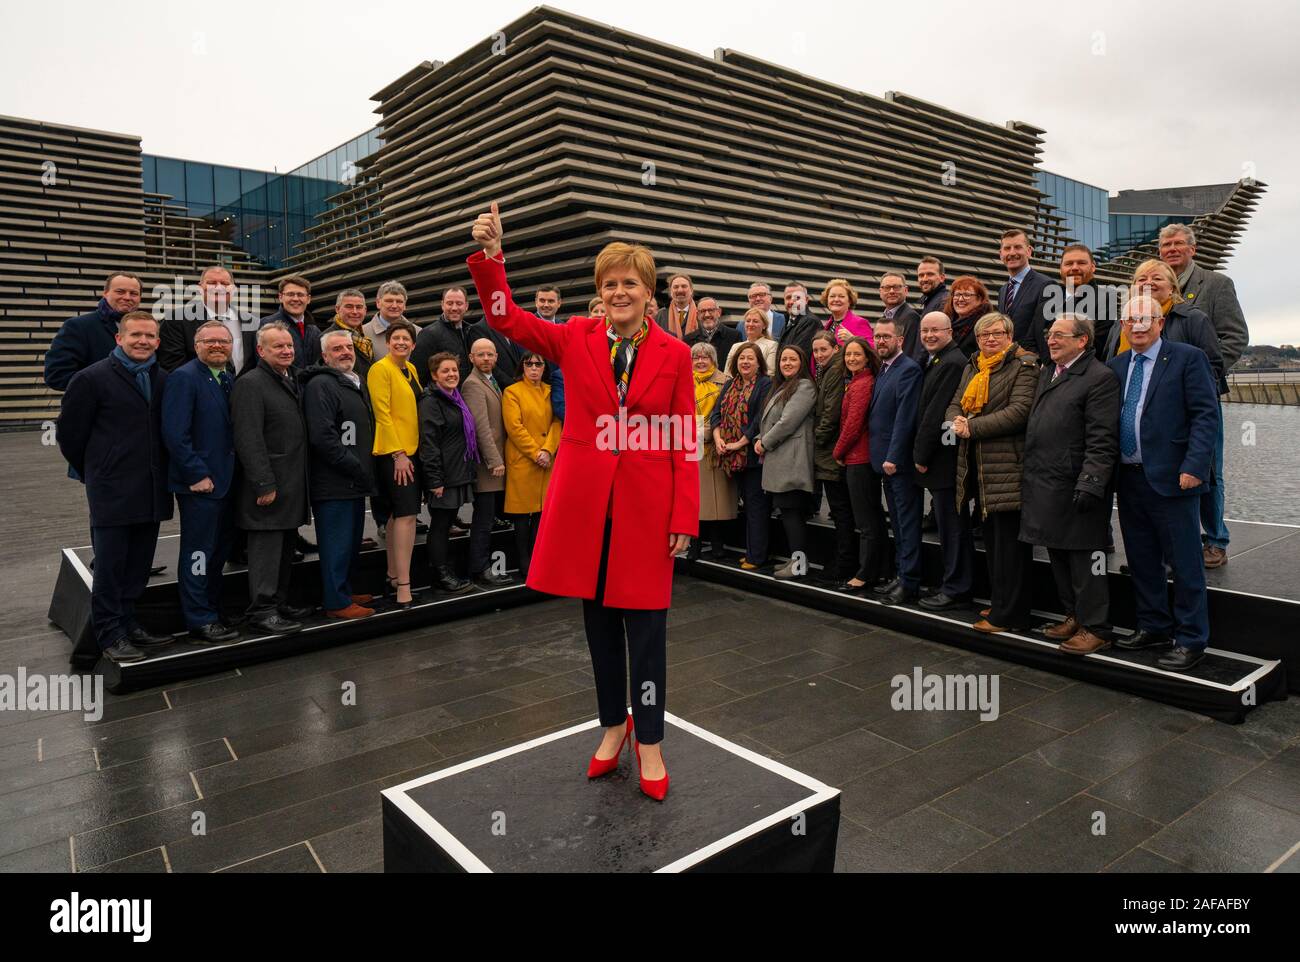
{"x": 758, "y": 514}
{"x": 525, "y": 538}
{"x": 486, "y": 505}
{"x": 955, "y": 541}
{"x": 846, "y": 560}
{"x": 1084, "y": 593}
{"x": 864, "y": 494}
{"x": 794, "y": 519}
{"x": 646, "y": 642}
{"x": 1010, "y": 561}
{"x": 270, "y": 563}
{"x": 123, "y": 557}
{"x": 714, "y": 532}
{"x": 440, "y": 522}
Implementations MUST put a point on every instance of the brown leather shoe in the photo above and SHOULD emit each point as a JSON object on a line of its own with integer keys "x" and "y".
{"x": 988, "y": 629}
{"x": 1084, "y": 642}
{"x": 351, "y": 611}
{"x": 1063, "y": 630}
{"x": 362, "y": 599}
{"x": 1215, "y": 557}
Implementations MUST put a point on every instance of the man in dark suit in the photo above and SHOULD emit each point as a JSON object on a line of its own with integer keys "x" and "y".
{"x": 449, "y": 332}
{"x": 934, "y": 454}
{"x": 1215, "y": 295}
{"x": 891, "y": 426}
{"x": 295, "y": 296}
{"x": 1076, "y": 293}
{"x": 215, "y": 303}
{"x": 933, "y": 284}
{"x": 893, "y": 294}
{"x": 1018, "y": 298}
{"x": 1168, "y": 419}
{"x": 1071, "y": 444}
{"x": 271, "y": 443}
{"x": 800, "y": 324}
{"x": 109, "y": 431}
{"x": 760, "y": 296}
{"x": 88, "y": 338}
{"x": 200, "y": 445}
{"x": 711, "y": 330}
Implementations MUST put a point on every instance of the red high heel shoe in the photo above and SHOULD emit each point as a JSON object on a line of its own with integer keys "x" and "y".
{"x": 656, "y": 789}
{"x": 603, "y": 766}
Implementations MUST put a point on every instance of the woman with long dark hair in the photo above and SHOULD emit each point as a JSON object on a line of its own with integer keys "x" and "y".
{"x": 734, "y": 425}
{"x": 853, "y": 451}
{"x": 617, "y": 513}
{"x": 785, "y": 445}
{"x": 828, "y": 474}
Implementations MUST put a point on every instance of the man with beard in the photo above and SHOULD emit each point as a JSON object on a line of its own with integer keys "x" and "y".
{"x": 933, "y": 284}
{"x": 711, "y": 330}
{"x": 1076, "y": 293}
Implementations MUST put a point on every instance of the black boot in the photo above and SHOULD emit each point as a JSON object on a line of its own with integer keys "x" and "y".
{"x": 448, "y": 582}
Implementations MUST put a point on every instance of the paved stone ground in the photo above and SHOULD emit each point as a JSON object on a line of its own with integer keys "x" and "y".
{"x": 289, "y": 778}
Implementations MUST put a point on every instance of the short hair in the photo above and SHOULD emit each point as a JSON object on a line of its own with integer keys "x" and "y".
{"x": 892, "y": 322}
{"x": 1134, "y": 298}
{"x": 705, "y": 349}
{"x": 839, "y": 282}
{"x": 897, "y": 274}
{"x": 1013, "y": 231}
{"x": 108, "y": 281}
{"x": 707, "y": 297}
{"x": 685, "y": 277}
{"x": 635, "y": 257}
{"x": 802, "y": 287}
{"x": 203, "y": 274}
{"x": 390, "y": 287}
{"x": 136, "y": 316}
{"x": 350, "y": 292}
{"x": 523, "y": 358}
{"x": 268, "y": 327}
{"x": 1170, "y": 229}
{"x": 436, "y": 361}
{"x": 733, "y": 368}
{"x": 199, "y": 330}
{"x": 334, "y": 332}
{"x": 400, "y": 325}
{"x": 450, "y": 290}
{"x": 1155, "y": 264}
{"x": 760, "y": 284}
{"x": 293, "y": 279}
{"x": 992, "y": 318}
{"x": 1082, "y": 325}
{"x": 761, "y": 315}
{"x": 1078, "y": 247}
{"x": 548, "y": 287}
{"x": 931, "y": 259}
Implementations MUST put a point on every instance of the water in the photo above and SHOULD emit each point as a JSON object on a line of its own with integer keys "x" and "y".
{"x": 1261, "y": 462}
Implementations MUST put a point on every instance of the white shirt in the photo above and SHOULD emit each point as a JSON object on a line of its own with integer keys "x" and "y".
{"x": 1152, "y": 354}
{"x": 231, "y": 320}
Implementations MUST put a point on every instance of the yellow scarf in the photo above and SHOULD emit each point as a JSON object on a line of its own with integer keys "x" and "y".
{"x": 706, "y": 392}
{"x": 1124, "y": 345}
{"x": 359, "y": 341}
{"x": 976, "y": 394}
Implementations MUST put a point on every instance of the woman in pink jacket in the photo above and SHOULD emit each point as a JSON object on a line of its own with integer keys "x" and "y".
{"x": 839, "y": 298}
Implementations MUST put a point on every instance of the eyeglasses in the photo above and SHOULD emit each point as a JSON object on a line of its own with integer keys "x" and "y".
{"x": 534, "y": 363}
{"x": 1056, "y": 336}
{"x": 222, "y": 341}
{"x": 991, "y": 335}
{"x": 962, "y": 295}
{"x": 893, "y": 287}
{"x": 1150, "y": 319}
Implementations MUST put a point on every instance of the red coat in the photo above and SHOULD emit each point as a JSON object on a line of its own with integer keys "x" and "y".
{"x": 854, "y": 444}
{"x": 649, "y": 493}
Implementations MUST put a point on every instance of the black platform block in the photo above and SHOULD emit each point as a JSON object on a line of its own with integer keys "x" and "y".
{"x": 1226, "y": 685}
{"x": 530, "y": 808}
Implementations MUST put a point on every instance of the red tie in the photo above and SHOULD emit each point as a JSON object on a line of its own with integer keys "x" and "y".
{"x": 302, "y": 330}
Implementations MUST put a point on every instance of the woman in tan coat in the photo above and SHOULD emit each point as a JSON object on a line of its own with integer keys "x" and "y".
{"x": 990, "y": 412}
{"x": 717, "y": 489}
{"x": 532, "y": 437}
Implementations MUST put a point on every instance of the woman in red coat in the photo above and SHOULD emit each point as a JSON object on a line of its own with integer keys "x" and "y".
{"x": 852, "y": 450}
{"x": 624, "y": 494}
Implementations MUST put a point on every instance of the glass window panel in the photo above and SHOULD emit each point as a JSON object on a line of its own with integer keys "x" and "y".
{"x": 275, "y": 194}
{"x": 198, "y": 183}
{"x": 225, "y": 185}
{"x": 250, "y": 180}
{"x": 171, "y": 178}
{"x": 149, "y": 171}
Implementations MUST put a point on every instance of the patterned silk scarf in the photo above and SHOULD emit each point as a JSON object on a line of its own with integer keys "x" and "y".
{"x": 621, "y": 360}
{"x": 360, "y": 342}
{"x": 735, "y": 415}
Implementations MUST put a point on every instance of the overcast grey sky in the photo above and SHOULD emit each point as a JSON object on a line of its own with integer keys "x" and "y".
{"x": 1131, "y": 95}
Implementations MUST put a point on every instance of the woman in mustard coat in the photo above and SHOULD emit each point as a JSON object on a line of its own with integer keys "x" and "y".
{"x": 532, "y": 437}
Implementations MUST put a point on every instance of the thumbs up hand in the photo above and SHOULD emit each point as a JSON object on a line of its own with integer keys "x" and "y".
{"x": 487, "y": 231}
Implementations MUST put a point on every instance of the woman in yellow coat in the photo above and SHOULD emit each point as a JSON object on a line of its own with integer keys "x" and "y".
{"x": 532, "y": 437}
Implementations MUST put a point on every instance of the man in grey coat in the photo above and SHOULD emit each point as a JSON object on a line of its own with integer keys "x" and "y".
{"x": 482, "y": 394}
{"x": 271, "y": 443}
{"x": 1071, "y": 446}
{"x": 1215, "y": 295}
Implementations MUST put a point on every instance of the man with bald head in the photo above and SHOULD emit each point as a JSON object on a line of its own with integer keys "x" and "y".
{"x": 482, "y": 394}
{"x": 1169, "y": 415}
{"x": 711, "y": 329}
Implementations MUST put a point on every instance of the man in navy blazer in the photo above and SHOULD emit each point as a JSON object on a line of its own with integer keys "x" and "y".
{"x": 891, "y": 426}
{"x": 110, "y": 433}
{"x": 200, "y": 445}
{"x": 295, "y": 295}
{"x": 1019, "y": 296}
{"x": 1168, "y": 420}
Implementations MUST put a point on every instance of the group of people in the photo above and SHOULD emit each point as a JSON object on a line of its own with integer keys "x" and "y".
{"x": 254, "y": 428}
{"x": 1023, "y": 417}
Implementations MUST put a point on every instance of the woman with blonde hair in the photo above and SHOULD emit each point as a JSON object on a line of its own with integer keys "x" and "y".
{"x": 717, "y": 488}
{"x": 839, "y": 298}
{"x": 756, "y": 329}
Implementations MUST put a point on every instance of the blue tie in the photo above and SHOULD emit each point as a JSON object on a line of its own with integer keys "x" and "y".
{"x": 1128, "y": 441}
{"x": 1011, "y": 294}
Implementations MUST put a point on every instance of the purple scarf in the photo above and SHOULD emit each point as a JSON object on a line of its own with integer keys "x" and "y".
{"x": 471, "y": 432}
